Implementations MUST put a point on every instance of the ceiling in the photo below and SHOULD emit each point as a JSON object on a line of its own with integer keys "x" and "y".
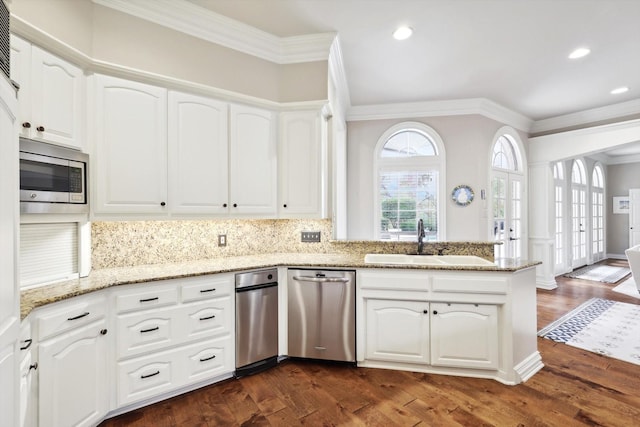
{"x": 505, "y": 58}
{"x": 512, "y": 52}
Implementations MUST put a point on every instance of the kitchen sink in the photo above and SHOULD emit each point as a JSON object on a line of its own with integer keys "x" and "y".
{"x": 444, "y": 260}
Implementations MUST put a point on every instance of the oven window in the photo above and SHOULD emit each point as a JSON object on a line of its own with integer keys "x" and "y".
{"x": 38, "y": 176}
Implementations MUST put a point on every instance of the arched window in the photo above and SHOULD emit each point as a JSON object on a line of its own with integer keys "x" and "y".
{"x": 597, "y": 213}
{"x": 559, "y": 185}
{"x": 507, "y": 195}
{"x": 504, "y": 154}
{"x": 409, "y": 160}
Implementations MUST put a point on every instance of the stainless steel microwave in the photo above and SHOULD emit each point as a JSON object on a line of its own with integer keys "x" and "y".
{"x": 53, "y": 179}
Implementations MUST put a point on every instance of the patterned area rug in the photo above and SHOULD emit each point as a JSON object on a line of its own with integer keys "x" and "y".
{"x": 600, "y": 273}
{"x": 602, "y": 326}
{"x": 628, "y": 287}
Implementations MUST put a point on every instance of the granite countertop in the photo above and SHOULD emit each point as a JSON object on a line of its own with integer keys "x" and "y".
{"x": 108, "y": 277}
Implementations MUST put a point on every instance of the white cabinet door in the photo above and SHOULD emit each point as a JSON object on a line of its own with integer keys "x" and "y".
{"x": 51, "y": 95}
{"x": 253, "y": 164}
{"x": 397, "y": 331}
{"x": 9, "y": 295}
{"x": 28, "y": 377}
{"x": 21, "y": 74}
{"x": 131, "y": 147}
{"x": 198, "y": 155}
{"x": 28, "y": 388}
{"x": 464, "y": 335}
{"x": 73, "y": 387}
{"x": 301, "y": 163}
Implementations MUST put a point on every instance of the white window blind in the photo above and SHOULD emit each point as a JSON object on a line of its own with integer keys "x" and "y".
{"x": 48, "y": 253}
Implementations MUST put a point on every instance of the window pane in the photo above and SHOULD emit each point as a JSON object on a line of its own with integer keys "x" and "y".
{"x": 408, "y": 144}
{"x": 406, "y": 197}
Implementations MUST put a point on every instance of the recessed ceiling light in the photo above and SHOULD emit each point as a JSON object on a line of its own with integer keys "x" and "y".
{"x": 402, "y": 33}
{"x": 619, "y": 90}
{"x": 579, "y": 53}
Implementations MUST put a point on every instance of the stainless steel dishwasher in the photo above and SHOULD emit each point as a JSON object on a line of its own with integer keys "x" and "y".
{"x": 322, "y": 314}
{"x": 256, "y": 321}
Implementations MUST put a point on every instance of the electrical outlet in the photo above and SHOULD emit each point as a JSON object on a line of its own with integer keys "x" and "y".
{"x": 310, "y": 236}
{"x": 222, "y": 240}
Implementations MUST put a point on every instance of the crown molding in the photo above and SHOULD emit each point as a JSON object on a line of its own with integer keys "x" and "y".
{"x": 188, "y": 18}
{"x": 457, "y": 107}
{"x": 609, "y": 112}
{"x": 22, "y": 28}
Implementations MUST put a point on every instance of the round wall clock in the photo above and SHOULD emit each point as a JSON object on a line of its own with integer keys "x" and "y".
{"x": 462, "y": 195}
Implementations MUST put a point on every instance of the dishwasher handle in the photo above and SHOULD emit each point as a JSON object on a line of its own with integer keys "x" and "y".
{"x": 321, "y": 279}
{"x": 256, "y": 287}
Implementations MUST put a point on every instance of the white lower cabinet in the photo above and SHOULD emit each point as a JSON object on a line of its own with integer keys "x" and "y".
{"x": 397, "y": 331}
{"x": 172, "y": 334}
{"x": 73, "y": 388}
{"x": 28, "y": 377}
{"x": 469, "y": 323}
{"x": 439, "y": 334}
{"x": 124, "y": 347}
{"x": 148, "y": 376}
{"x": 464, "y": 335}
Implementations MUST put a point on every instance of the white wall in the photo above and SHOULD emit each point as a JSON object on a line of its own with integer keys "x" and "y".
{"x": 620, "y": 178}
{"x": 467, "y": 140}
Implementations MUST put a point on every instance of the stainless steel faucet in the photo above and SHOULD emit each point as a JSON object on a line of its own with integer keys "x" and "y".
{"x": 420, "y": 236}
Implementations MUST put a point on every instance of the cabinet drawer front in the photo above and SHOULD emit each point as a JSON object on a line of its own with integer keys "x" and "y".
{"x": 147, "y": 377}
{"x": 470, "y": 285}
{"x": 150, "y": 297}
{"x": 68, "y": 315}
{"x": 209, "y": 317}
{"x": 206, "y": 287}
{"x": 393, "y": 280}
{"x": 209, "y": 359}
{"x": 146, "y": 331}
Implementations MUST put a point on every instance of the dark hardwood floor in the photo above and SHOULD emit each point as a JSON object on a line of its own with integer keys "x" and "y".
{"x": 575, "y": 388}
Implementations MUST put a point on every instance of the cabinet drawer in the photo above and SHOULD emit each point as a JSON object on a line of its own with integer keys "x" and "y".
{"x": 205, "y": 287}
{"x": 393, "y": 280}
{"x": 70, "y": 314}
{"x": 146, "y": 331}
{"x": 149, "y": 296}
{"x": 470, "y": 284}
{"x": 208, "y": 317}
{"x": 147, "y": 377}
{"x": 209, "y": 359}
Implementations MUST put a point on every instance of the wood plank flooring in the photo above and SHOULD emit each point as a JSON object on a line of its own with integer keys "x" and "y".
{"x": 575, "y": 388}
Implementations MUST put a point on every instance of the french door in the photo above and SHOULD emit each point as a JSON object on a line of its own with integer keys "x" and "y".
{"x": 578, "y": 225}
{"x": 508, "y": 194}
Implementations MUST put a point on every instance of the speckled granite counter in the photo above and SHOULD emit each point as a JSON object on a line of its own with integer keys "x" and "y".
{"x": 108, "y": 277}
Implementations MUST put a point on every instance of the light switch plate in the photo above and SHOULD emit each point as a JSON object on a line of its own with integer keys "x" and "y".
{"x": 222, "y": 240}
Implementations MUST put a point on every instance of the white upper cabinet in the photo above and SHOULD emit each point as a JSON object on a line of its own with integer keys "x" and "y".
{"x": 302, "y": 162}
{"x": 51, "y": 97}
{"x": 131, "y": 147}
{"x": 198, "y": 153}
{"x": 252, "y": 162}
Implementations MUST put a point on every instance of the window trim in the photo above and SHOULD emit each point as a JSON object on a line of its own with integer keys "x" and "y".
{"x": 437, "y": 162}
